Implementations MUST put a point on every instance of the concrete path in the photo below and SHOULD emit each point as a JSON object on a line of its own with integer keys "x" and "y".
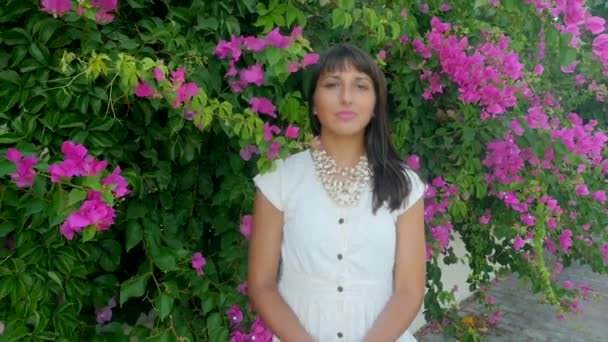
{"x": 527, "y": 319}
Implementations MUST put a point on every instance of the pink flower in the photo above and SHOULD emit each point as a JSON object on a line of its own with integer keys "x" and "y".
{"x": 159, "y": 75}
{"x": 568, "y": 69}
{"x": 184, "y": 93}
{"x": 262, "y": 105}
{"x": 293, "y": 67}
{"x": 178, "y": 76}
{"x": 495, "y": 318}
{"x": 104, "y": 314}
{"x": 254, "y": 44}
{"x": 274, "y": 149}
{"x": 276, "y": 39}
{"x": 310, "y": 59}
{"x": 238, "y": 335}
{"x": 581, "y": 190}
{"x": 144, "y": 89}
{"x": 413, "y": 161}
{"x": 296, "y": 32}
{"x": 25, "y": 173}
{"x": 568, "y": 285}
{"x": 198, "y": 262}
{"x": 56, "y": 7}
{"x": 424, "y": 8}
{"x": 382, "y": 54}
{"x": 269, "y": 130}
{"x": 404, "y": 13}
{"x": 491, "y": 300}
{"x": 445, "y": 7}
{"x": 528, "y": 219}
{"x": 292, "y": 132}
{"x": 248, "y": 152}
{"x": 518, "y": 243}
{"x": 235, "y": 315}
{"x": 246, "y": 226}
{"x": 595, "y": 25}
{"x": 439, "y": 182}
{"x": 565, "y": 240}
{"x": 108, "y": 5}
{"x": 93, "y": 212}
{"x": 486, "y": 218}
{"x": 404, "y": 39}
{"x": 242, "y": 288}
{"x": 600, "y": 196}
{"x": 259, "y": 332}
{"x": 516, "y": 128}
{"x": 538, "y": 70}
{"x": 120, "y": 184}
{"x": 104, "y": 17}
{"x": 254, "y": 74}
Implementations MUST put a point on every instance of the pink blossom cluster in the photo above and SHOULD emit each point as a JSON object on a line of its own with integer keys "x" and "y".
{"x": 25, "y": 173}
{"x": 178, "y": 91}
{"x": 270, "y": 131}
{"x": 504, "y": 160}
{"x": 255, "y": 74}
{"x": 580, "y": 139}
{"x": 437, "y": 199}
{"x": 487, "y": 77}
{"x": 259, "y": 332}
{"x": 93, "y": 212}
{"x": 198, "y": 262}
{"x": 103, "y": 9}
{"x": 77, "y": 162}
{"x": 104, "y": 314}
{"x": 576, "y": 19}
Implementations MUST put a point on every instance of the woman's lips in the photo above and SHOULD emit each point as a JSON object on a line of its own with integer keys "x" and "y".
{"x": 345, "y": 115}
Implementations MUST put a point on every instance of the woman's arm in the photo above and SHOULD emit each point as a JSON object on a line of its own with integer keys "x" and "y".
{"x": 264, "y": 256}
{"x": 409, "y": 278}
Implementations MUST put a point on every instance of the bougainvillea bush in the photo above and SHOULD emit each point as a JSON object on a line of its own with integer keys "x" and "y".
{"x": 130, "y": 131}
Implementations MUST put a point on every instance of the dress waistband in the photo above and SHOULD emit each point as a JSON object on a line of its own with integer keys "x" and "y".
{"x": 309, "y": 285}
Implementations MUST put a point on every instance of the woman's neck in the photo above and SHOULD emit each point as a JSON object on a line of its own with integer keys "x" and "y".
{"x": 346, "y": 151}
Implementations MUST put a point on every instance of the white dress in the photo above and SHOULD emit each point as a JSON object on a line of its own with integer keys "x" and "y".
{"x": 336, "y": 269}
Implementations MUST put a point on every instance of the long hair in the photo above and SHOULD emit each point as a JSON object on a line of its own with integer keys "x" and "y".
{"x": 391, "y": 184}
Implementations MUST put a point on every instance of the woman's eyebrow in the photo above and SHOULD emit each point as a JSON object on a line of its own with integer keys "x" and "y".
{"x": 357, "y": 78}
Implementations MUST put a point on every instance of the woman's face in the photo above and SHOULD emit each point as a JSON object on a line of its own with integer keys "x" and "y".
{"x": 344, "y": 102}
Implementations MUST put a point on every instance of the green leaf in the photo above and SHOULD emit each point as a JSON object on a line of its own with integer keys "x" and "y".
{"x": 89, "y": 233}
{"x": 101, "y": 124}
{"x": 134, "y": 234}
{"x": 164, "y": 305}
{"x": 54, "y": 277}
{"x": 133, "y": 288}
{"x": 165, "y": 262}
{"x": 75, "y": 196}
{"x": 217, "y": 331}
{"x": 6, "y": 228}
{"x": 10, "y": 76}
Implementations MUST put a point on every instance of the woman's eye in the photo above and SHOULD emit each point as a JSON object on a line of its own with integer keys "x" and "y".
{"x": 331, "y": 85}
{"x": 363, "y": 86}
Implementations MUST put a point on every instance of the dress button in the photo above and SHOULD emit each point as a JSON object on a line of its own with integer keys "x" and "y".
{"x": 340, "y": 289}
{"x": 339, "y": 256}
{"x": 340, "y": 335}
{"x": 341, "y": 220}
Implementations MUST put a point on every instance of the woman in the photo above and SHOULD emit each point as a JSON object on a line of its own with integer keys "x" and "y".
{"x": 344, "y": 219}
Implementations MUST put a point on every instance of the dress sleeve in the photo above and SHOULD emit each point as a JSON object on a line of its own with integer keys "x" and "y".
{"x": 271, "y": 184}
{"x": 417, "y": 191}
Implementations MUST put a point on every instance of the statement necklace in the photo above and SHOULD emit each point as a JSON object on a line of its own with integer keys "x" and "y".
{"x": 343, "y": 184}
